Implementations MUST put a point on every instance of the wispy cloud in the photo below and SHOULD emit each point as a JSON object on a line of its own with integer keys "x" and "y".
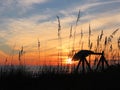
{"x": 19, "y": 7}
{"x": 30, "y": 2}
{"x": 90, "y": 5}
{"x": 85, "y": 6}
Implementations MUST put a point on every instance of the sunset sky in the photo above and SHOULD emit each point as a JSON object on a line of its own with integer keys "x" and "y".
{"x": 24, "y": 22}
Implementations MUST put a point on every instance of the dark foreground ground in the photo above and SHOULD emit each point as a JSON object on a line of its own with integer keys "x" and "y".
{"x": 102, "y": 80}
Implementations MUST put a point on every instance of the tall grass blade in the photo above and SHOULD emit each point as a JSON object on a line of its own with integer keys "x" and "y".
{"x": 78, "y": 18}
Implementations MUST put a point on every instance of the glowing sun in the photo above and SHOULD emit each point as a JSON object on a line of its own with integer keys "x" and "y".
{"x": 69, "y": 60}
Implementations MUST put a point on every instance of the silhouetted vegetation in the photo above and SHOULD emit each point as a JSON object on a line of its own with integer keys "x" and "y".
{"x": 20, "y": 79}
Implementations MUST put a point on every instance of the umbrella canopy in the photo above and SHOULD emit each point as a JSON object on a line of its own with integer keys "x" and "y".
{"x": 80, "y": 55}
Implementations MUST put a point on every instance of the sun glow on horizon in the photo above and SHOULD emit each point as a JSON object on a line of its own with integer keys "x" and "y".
{"x": 69, "y": 60}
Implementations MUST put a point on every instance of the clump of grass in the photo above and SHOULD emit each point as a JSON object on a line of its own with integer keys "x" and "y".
{"x": 73, "y": 47}
{"x": 80, "y": 41}
{"x": 105, "y": 43}
{"x": 57, "y": 81}
{"x": 112, "y": 35}
{"x": 118, "y": 43}
{"x": 70, "y": 36}
{"x": 59, "y": 41}
{"x": 89, "y": 38}
{"x": 21, "y": 52}
{"x": 39, "y": 49}
{"x": 99, "y": 39}
{"x": 59, "y": 27}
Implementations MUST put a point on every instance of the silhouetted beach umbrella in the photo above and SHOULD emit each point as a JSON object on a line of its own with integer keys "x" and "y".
{"x": 82, "y": 54}
{"x": 81, "y": 57}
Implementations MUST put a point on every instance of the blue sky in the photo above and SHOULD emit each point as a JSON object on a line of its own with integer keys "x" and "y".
{"x": 22, "y": 22}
